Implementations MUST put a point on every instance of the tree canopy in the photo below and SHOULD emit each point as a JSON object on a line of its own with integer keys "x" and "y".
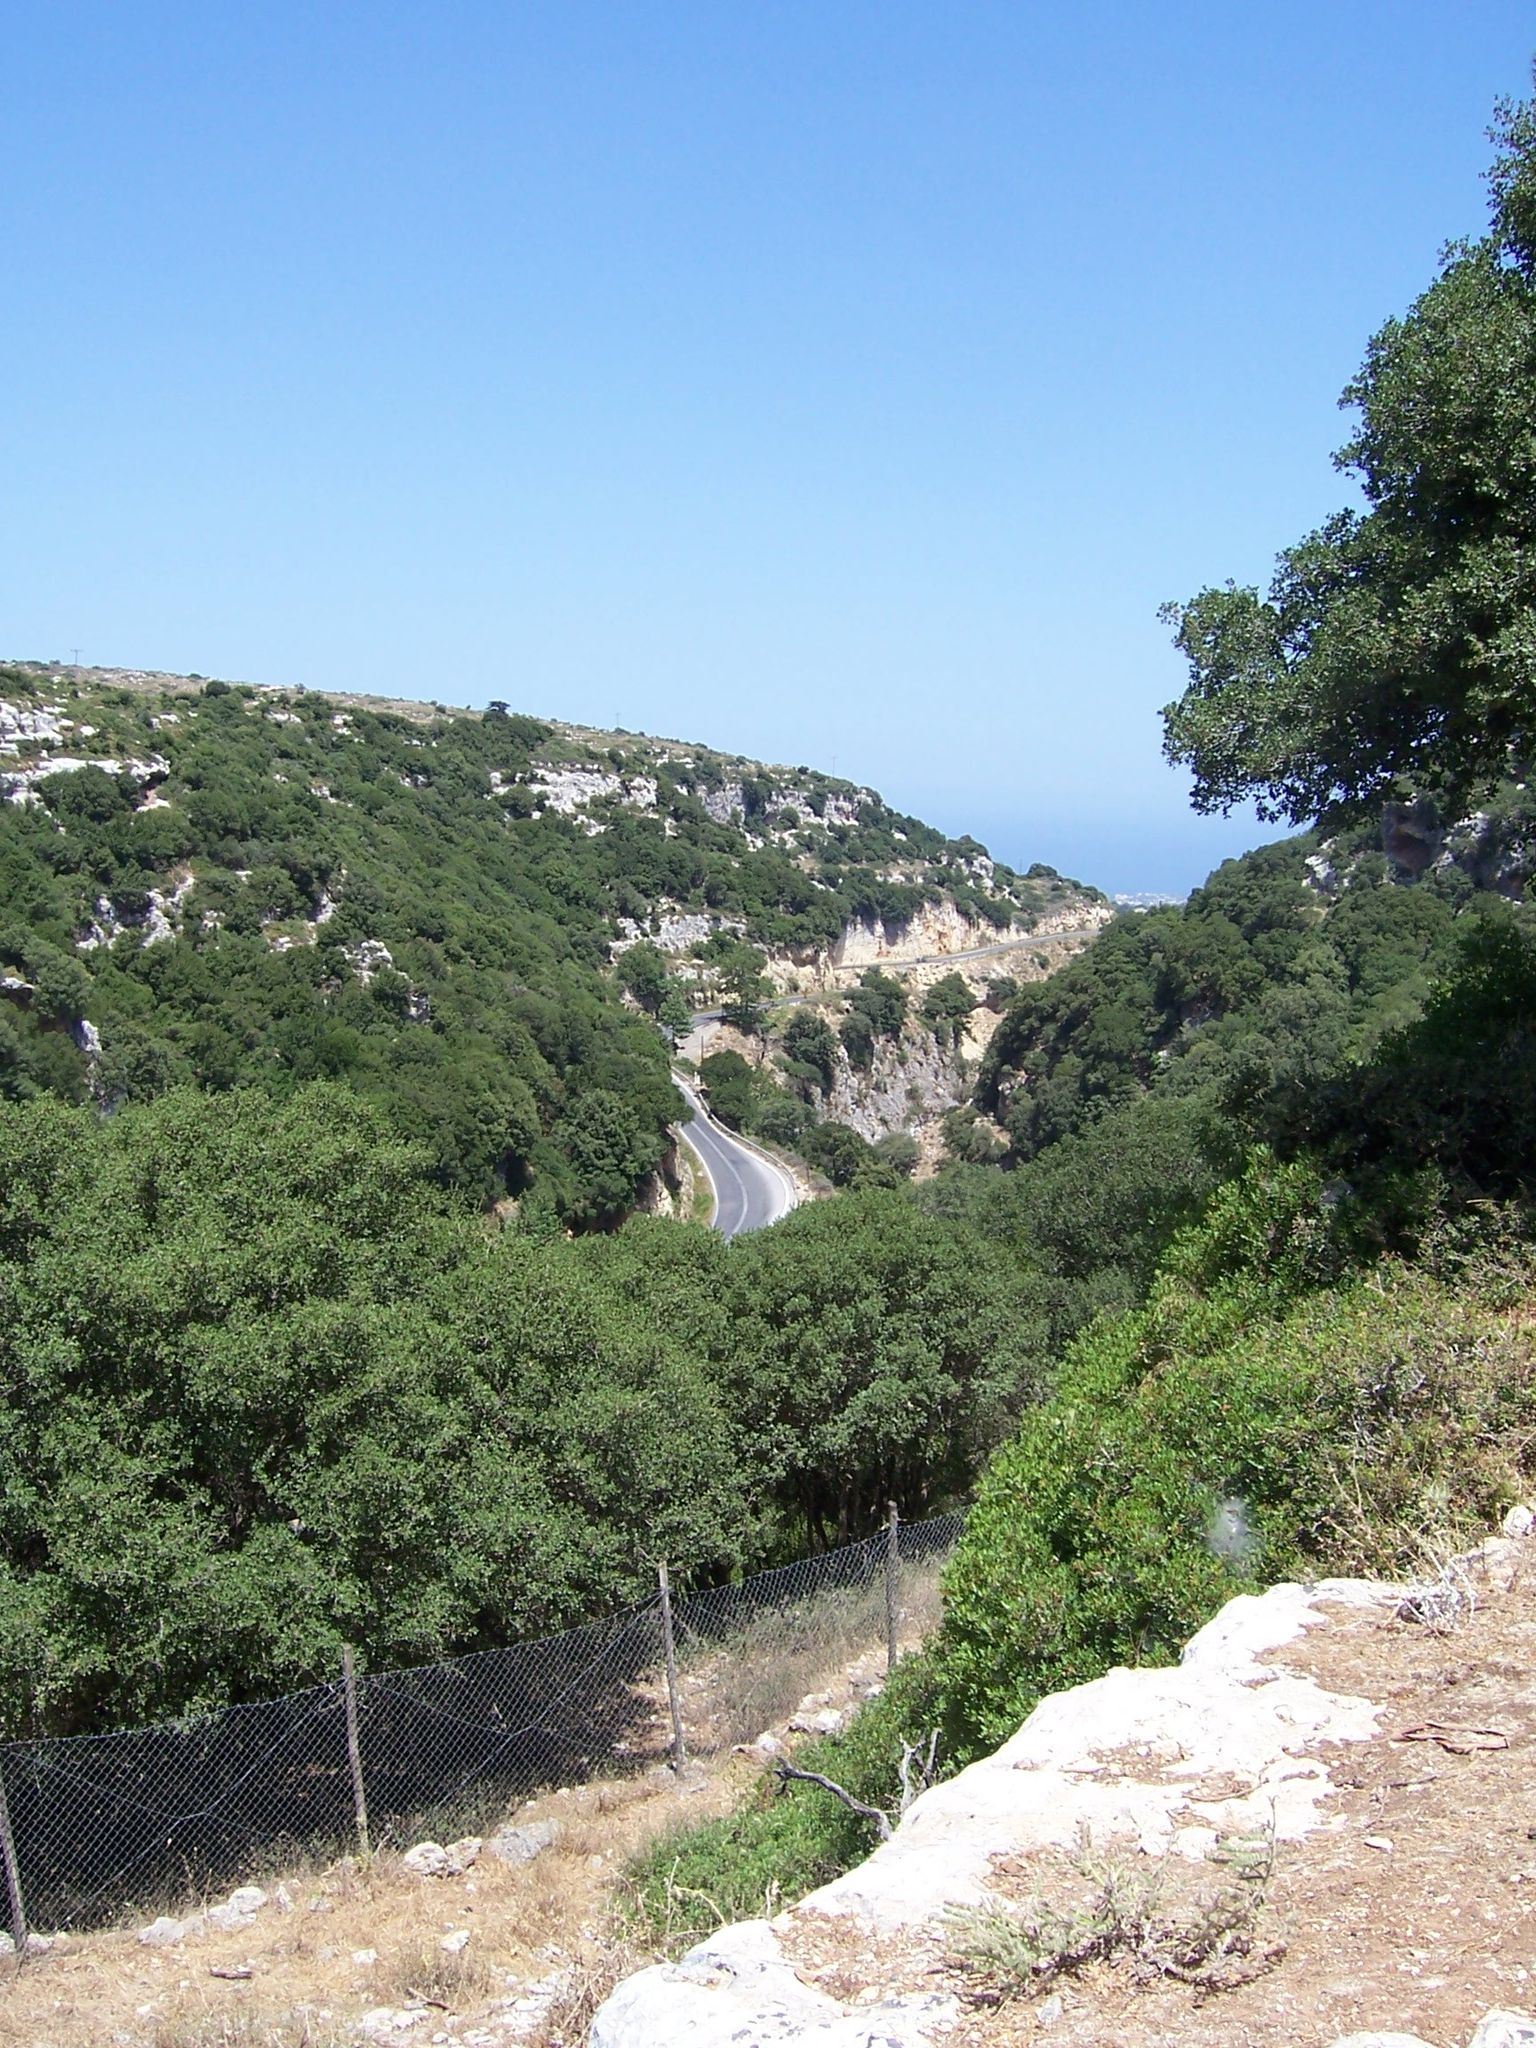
{"x": 1397, "y": 645}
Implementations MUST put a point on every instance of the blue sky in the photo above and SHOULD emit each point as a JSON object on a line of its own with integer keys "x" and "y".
{"x": 839, "y": 382}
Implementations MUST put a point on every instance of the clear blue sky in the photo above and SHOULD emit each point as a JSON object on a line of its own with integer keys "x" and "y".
{"x": 838, "y": 382}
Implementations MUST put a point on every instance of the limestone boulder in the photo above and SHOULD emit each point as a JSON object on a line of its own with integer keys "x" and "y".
{"x": 737, "y": 1987}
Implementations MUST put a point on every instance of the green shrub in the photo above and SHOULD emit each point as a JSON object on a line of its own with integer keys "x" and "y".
{"x": 785, "y": 1840}
{"x": 1217, "y": 1441}
{"x": 1282, "y": 1405}
{"x": 732, "y": 1088}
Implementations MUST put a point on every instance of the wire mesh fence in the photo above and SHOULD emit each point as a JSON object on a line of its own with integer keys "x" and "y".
{"x": 750, "y": 1652}
{"x": 152, "y": 1817}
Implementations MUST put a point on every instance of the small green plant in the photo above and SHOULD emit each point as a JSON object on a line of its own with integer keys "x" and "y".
{"x": 1118, "y": 1907}
{"x": 786, "y": 1839}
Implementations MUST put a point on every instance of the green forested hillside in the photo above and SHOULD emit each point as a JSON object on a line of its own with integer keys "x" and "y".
{"x": 290, "y": 990}
{"x": 268, "y": 1389}
{"x": 323, "y": 1083}
{"x": 254, "y": 888}
{"x": 1268, "y": 1158}
{"x": 358, "y": 911}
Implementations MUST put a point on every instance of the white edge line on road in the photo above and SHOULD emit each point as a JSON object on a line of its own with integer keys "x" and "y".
{"x": 786, "y": 1179}
{"x": 701, "y": 1165}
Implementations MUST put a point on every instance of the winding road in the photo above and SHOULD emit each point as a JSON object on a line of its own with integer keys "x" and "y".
{"x": 751, "y": 1190}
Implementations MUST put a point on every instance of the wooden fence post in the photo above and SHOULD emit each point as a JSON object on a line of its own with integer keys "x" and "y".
{"x": 892, "y": 1583}
{"x": 355, "y": 1751}
{"x": 679, "y": 1747}
{"x": 12, "y": 1876}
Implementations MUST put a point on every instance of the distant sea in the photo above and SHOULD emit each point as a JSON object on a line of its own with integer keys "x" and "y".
{"x": 1139, "y": 859}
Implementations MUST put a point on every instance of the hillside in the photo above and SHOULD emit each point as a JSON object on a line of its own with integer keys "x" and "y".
{"x": 217, "y": 885}
{"x": 1312, "y": 1827}
{"x": 1263, "y": 1163}
{"x": 331, "y": 1070}
{"x": 1290, "y": 967}
{"x": 1225, "y": 1277}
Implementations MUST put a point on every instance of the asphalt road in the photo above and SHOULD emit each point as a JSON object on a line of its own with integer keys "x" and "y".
{"x": 750, "y": 1190}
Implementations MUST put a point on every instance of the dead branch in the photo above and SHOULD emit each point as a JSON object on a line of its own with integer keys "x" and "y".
{"x": 787, "y": 1771}
{"x": 913, "y": 1752}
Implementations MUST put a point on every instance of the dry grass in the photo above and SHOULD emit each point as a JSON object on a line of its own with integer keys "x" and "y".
{"x": 732, "y": 1694}
{"x": 244, "y": 2030}
{"x": 342, "y": 1938}
{"x": 453, "y": 1980}
{"x": 353, "y": 1938}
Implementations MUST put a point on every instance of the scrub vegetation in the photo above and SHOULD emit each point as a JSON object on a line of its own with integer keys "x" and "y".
{"x": 1264, "y": 1160}
{"x": 326, "y": 1317}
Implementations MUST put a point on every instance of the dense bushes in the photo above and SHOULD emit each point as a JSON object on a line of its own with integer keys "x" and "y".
{"x": 1254, "y": 995}
{"x": 876, "y": 1355}
{"x": 266, "y": 1391}
{"x": 482, "y": 1027}
{"x": 264, "y": 1394}
{"x": 1243, "y": 1427}
{"x": 1283, "y": 1404}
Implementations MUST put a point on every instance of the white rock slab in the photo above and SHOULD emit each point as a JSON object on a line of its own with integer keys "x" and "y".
{"x": 523, "y": 1844}
{"x": 1123, "y": 1757}
{"x": 1132, "y": 1755}
{"x": 738, "y": 1988}
{"x": 1505, "y": 2030}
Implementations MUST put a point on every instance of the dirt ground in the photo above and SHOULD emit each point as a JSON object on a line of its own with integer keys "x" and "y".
{"x": 546, "y": 1939}
{"x": 341, "y": 1942}
{"x": 1413, "y": 1910}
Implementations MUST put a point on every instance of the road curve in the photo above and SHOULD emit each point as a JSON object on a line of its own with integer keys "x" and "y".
{"x": 751, "y": 1190}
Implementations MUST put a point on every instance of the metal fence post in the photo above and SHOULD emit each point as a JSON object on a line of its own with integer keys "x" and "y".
{"x": 892, "y": 1582}
{"x": 12, "y": 1876}
{"x": 679, "y": 1747}
{"x": 355, "y": 1751}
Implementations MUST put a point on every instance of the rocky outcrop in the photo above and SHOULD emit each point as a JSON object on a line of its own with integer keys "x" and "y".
{"x": 909, "y": 1083}
{"x": 568, "y": 790}
{"x": 1411, "y": 835}
{"x": 29, "y": 733}
{"x": 938, "y": 939}
{"x": 938, "y": 930}
{"x": 156, "y": 921}
{"x": 668, "y": 1190}
{"x": 237, "y": 1911}
{"x": 1168, "y": 1761}
{"x": 673, "y": 931}
{"x": 1494, "y": 849}
{"x": 1494, "y": 853}
{"x": 1133, "y": 1755}
{"x": 738, "y": 1988}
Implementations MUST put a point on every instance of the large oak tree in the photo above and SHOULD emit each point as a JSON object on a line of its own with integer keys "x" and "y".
{"x": 1396, "y": 650}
